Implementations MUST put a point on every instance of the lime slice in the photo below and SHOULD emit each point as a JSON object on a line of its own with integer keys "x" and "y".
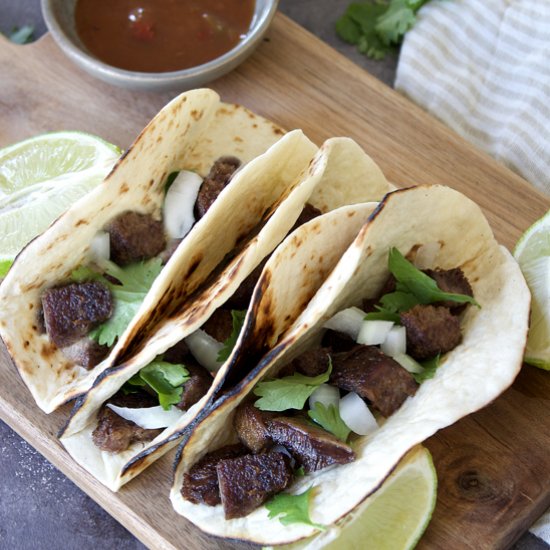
{"x": 393, "y": 518}
{"x": 40, "y": 178}
{"x": 533, "y": 255}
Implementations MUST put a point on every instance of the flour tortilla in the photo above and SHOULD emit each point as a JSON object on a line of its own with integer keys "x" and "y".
{"x": 189, "y": 133}
{"x": 470, "y": 376}
{"x": 309, "y": 253}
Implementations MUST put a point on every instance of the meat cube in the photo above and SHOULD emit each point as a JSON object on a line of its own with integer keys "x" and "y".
{"x": 219, "y": 325}
{"x": 337, "y": 341}
{"x": 431, "y": 330}
{"x": 312, "y": 362}
{"x": 200, "y": 483}
{"x": 196, "y": 386}
{"x": 134, "y": 237}
{"x": 311, "y": 447}
{"x": 214, "y": 183}
{"x": 250, "y": 424}
{"x": 374, "y": 376}
{"x": 454, "y": 281}
{"x": 248, "y": 481}
{"x": 71, "y": 311}
{"x": 86, "y": 352}
{"x": 114, "y": 433}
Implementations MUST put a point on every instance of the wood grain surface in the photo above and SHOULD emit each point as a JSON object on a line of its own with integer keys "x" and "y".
{"x": 493, "y": 466}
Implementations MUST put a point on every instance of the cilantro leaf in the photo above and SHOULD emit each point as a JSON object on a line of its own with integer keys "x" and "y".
{"x": 398, "y": 301}
{"x": 4, "y": 267}
{"x": 292, "y": 509}
{"x": 22, "y": 35}
{"x": 392, "y": 25}
{"x": 330, "y": 419}
{"x": 382, "y": 315}
{"x": 430, "y": 366}
{"x": 410, "y": 279}
{"x": 290, "y": 392}
{"x": 348, "y": 30}
{"x": 229, "y": 344}
{"x": 300, "y": 472}
{"x": 365, "y": 16}
{"x": 136, "y": 280}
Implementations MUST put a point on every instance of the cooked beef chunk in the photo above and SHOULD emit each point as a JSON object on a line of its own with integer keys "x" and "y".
{"x": 337, "y": 341}
{"x": 114, "y": 433}
{"x": 248, "y": 481}
{"x": 308, "y": 213}
{"x": 250, "y": 424}
{"x": 374, "y": 376}
{"x": 86, "y": 352}
{"x": 430, "y": 330}
{"x": 71, "y": 311}
{"x": 241, "y": 297}
{"x": 451, "y": 280}
{"x": 166, "y": 254}
{"x": 312, "y": 447}
{"x": 213, "y": 184}
{"x": 178, "y": 353}
{"x": 134, "y": 237}
{"x": 200, "y": 483}
{"x": 312, "y": 362}
{"x": 196, "y": 386}
{"x": 220, "y": 325}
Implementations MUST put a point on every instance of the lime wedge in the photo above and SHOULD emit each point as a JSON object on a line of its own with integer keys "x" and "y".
{"x": 40, "y": 178}
{"x": 533, "y": 255}
{"x": 393, "y": 518}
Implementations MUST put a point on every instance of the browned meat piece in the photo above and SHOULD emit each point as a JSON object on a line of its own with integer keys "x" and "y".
{"x": 196, "y": 386}
{"x": 219, "y": 325}
{"x": 312, "y": 447}
{"x": 71, "y": 311}
{"x": 86, "y": 352}
{"x": 200, "y": 483}
{"x": 178, "y": 353}
{"x": 430, "y": 330}
{"x": 337, "y": 341}
{"x": 134, "y": 237}
{"x": 114, "y": 433}
{"x": 248, "y": 481}
{"x": 374, "y": 376}
{"x": 250, "y": 424}
{"x": 308, "y": 213}
{"x": 213, "y": 184}
{"x": 166, "y": 254}
{"x": 451, "y": 280}
{"x": 312, "y": 362}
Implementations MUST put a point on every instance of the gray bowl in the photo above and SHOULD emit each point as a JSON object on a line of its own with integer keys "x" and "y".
{"x": 59, "y": 17}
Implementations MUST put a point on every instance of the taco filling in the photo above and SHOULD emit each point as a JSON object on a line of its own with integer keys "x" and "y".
{"x": 307, "y": 418}
{"x": 85, "y": 317}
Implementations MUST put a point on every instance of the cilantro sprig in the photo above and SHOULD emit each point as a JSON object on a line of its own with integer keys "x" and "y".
{"x": 329, "y": 419}
{"x": 292, "y": 509}
{"x": 238, "y": 322}
{"x": 22, "y": 35}
{"x": 429, "y": 366}
{"x": 377, "y": 26}
{"x": 289, "y": 392}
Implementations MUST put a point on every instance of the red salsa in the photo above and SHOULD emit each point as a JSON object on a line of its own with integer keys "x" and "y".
{"x": 161, "y": 35}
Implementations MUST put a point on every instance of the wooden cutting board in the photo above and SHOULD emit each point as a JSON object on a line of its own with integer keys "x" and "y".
{"x": 492, "y": 466}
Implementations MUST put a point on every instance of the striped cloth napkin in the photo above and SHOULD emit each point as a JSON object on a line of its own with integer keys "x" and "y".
{"x": 483, "y": 68}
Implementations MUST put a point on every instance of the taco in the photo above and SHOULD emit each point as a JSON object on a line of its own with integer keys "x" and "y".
{"x": 123, "y": 257}
{"x": 117, "y": 429}
{"x": 256, "y": 440}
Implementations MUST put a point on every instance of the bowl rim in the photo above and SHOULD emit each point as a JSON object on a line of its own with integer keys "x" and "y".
{"x": 259, "y": 25}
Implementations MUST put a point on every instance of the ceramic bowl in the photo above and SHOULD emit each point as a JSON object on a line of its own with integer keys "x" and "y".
{"x": 59, "y": 17}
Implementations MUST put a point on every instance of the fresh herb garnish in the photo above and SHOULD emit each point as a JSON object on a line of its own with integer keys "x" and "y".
{"x": 290, "y": 392}
{"x": 377, "y": 26}
{"x": 300, "y": 472}
{"x": 292, "y": 509}
{"x": 5, "y": 267}
{"x": 166, "y": 379}
{"x": 229, "y": 344}
{"x": 330, "y": 419}
{"x": 22, "y": 35}
{"x": 429, "y": 366}
{"x": 135, "y": 281}
{"x": 382, "y": 315}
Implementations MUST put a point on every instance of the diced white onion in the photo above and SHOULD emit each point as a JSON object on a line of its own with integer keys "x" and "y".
{"x": 325, "y": 394}
{"x": 179, "y": 204}
{"x": 204, "y": 349}
{"x": 356, "y": 415}
{"x": 285, "y": 451}
{"x": 426, "y": 255}
{"x": 373, "y": 332}
{"x": 100, "y": 247}
{"x": 348, "y": 321}
{"x": 395, "y": 342}
{"x": 149, "y": 418}
{"x": 408, "y": 363}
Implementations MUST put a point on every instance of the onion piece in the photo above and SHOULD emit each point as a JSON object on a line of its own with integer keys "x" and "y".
{"x": 205, "y": 349}
{"x": 179, "y": 204}
{"x": 374, "y": 332}
{"x": 100, "y": 247}
{"x": 408, "y": 363}
{"x": 149, "y": 418}
{"x": 396, "y": 341}
{"x": 348, "y": 321}
{"x": 325, "y": 394}
{"x": 426, "y": 255}
{"x": 356, "y": 415}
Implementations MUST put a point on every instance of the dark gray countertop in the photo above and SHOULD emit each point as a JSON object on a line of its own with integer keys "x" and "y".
{"x": 39, "y": 507}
